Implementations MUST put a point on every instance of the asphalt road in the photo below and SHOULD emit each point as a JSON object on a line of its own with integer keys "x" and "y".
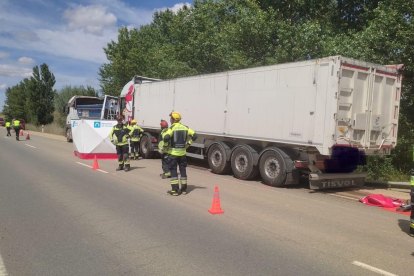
{"x": 59, "y": 217}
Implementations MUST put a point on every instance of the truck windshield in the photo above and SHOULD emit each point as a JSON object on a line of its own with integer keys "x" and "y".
{"x": 89, "y": 110}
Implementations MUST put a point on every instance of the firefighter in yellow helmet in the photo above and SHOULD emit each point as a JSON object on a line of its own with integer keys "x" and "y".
{"x": 119, "y": 137}
{"x": 136, "y": 135}
{"x": 178, "y": 138}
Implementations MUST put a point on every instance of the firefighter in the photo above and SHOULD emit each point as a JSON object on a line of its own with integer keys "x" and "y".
{"x": 120, "y": 140}
{"x": 164, "y": 150}
{"x": 136, "y": 135}
{"x": 16, "y": 125}
{"x": 8, "y": 128}
{"x": 178, "y": 137}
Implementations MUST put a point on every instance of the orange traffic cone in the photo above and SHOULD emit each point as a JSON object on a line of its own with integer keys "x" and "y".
{"x": 21, "y": 132}
{"x": 95, "y": 165}
{"x": 216, "y": 209}
{"x": 27, "y": 136}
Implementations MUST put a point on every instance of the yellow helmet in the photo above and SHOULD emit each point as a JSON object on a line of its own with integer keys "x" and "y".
{"x": 175, "y": 115}
{"x": 134, "y": 122}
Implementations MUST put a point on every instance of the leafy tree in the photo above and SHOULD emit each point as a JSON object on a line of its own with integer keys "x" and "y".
{"x": 14, "y": 105}
{"x": 40, "y": 96}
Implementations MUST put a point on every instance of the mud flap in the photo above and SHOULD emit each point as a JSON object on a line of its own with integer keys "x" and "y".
{"x": 336, "y": 180}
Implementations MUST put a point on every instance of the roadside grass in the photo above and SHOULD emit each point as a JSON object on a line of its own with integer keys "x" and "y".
{"x": 52, "y": 128}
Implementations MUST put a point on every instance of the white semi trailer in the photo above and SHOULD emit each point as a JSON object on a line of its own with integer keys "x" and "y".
{"x": 283, "y": 121}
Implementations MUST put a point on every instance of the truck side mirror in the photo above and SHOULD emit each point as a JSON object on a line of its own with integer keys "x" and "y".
{"x": 64, "y": 110}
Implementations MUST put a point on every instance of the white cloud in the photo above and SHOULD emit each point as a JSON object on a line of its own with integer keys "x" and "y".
{"x": 134, "y": 16}
{"x": 14, "y": 71}
{"x": 4, "y": 55}
{"x": 26, "y": 61}
{"x": 91, "y": 19}
{"x": 3, "y": 86}
{"x": 28, "y": 36}
{"x": 176, "y": 7}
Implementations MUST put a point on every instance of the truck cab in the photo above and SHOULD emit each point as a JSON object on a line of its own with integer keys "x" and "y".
{"x": 86, "y": 107}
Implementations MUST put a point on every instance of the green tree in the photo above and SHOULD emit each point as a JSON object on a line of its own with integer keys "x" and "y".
{"x": 14, "y": 105}
{"x": 40, "y": 96}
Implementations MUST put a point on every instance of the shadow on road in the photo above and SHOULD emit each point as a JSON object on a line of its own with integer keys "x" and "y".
{"x": 134, "y": 168}
{"x": 190, "y": 188}
{"x": 405, "y": 226}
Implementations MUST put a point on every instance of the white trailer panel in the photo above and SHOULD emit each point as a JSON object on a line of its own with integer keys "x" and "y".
{"x": 310, "y": 104}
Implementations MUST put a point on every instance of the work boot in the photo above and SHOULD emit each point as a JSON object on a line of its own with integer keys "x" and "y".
{"x": 127, "y": 168}
{"x": 173, "y": 193}
{"x": 165, "y": 176}
{"x": 184, "y": 189}
{"x": 120, "y": 168}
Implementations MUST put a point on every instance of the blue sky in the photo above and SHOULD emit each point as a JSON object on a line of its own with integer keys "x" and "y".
{"x": 66, "y": 35}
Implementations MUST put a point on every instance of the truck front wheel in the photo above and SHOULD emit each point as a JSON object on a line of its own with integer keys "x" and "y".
{"x": 69, "y": 135}
{"x": 146, "y": 148}
{"x": 217, "y": 160}
{"x": 272, "y": 169}
{"x": 242, "y": 164}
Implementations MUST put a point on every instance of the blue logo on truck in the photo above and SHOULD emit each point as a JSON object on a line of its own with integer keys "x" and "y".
{"x": 97, "y": 124}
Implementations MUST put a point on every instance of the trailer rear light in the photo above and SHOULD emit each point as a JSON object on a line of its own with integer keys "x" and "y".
{"x": 301, "y": 164}
{"x": 154, "y": 140}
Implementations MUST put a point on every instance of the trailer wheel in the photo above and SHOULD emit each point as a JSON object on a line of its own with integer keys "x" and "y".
{"x": 242, "y": 164}
{"x": 217, "y": 160}
{"x": 272, "y": 169}
{"x": 146, "y": 148}
{"x": 68, "y": 135}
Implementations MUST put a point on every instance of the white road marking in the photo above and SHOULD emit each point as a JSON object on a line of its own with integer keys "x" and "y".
{"x": 6, "y": 137}
{"x": 30, "y": 146}
{"x": 3, "y": 271}
{"x": 373, "y": 269}
{"x": 102, "y": 171}
{"x": 91, "y": 167}
{"x": 84, "y": 165}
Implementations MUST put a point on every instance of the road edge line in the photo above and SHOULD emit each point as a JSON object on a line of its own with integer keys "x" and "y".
{"x": 3, "y": 271}
{"x": 373, "y": 269}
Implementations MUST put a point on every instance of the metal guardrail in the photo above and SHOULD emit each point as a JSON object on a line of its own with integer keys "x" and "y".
{"x": 389, "y": 184}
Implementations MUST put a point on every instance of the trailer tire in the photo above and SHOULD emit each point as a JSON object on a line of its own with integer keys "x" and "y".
{"x": 242, "y": 164}
{"x": 146, "y": 148}
{"x": 68, "y": 134}
{"x": 273, "y": 168}
{"x": 217, "y": 160}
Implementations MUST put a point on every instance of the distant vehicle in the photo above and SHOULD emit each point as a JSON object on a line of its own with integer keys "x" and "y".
{"x": 22, "y": 123}
{"x": 2, "y": 122}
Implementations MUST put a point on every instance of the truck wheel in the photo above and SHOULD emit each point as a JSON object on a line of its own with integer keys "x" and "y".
{"x": 242, "y": 164}
{"x": 272, "y": 169}
{"x": 146, "y": 148}
{"x": 68, "y": 134}
{"x": 217, "y": 159}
